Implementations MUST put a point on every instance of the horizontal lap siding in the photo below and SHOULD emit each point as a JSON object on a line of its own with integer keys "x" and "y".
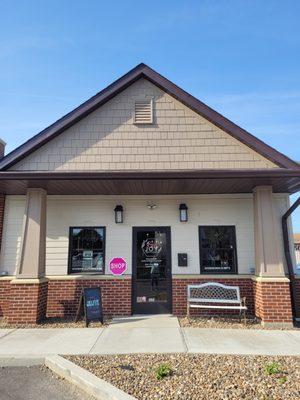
{"x": 12, "y": 233}
{"x": 66, "y": 211}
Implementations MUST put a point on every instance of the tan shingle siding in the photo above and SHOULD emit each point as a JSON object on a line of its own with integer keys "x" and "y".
{"x": 108, "y": 140}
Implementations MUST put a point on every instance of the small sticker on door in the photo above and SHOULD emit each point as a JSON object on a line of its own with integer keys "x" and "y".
{"x": 141, "y": 299}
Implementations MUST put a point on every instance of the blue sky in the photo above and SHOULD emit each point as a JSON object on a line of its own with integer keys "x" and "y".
{"x": 239, "y": 56}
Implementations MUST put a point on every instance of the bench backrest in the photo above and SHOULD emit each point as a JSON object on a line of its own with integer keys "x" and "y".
{"x": 212, "y": 292}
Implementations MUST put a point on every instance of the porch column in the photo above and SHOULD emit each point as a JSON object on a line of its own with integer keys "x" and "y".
{"x": 29, "y": 290}
{"x": 32, "y": 260}
{"x": 271, "y": 286}
{"x": 268, "y": 247}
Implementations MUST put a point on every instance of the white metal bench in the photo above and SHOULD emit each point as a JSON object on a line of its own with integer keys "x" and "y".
{"x": 213, "y": 295}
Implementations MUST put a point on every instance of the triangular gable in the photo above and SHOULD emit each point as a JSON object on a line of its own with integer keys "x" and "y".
{"x": 205, "y": 139}
{"x": 107, "y": 139}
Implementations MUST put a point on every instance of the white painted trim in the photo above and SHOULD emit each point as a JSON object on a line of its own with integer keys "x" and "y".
{"x": 270, "y": 279}
{"x": 195, "y": 276}
{"x": 85, "y": 277}
{"x": 7, "y": 277}
{"x": 28, "y": 281}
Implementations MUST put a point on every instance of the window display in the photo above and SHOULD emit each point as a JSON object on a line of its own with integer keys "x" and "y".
{"x": 218, "y": 250}
{"x": 87, "y": 250}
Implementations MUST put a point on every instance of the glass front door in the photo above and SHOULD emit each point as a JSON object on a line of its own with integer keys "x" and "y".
{"x": 151, "y": 270}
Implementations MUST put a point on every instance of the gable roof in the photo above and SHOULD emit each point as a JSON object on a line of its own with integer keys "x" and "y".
{"x": 143, "y": 71}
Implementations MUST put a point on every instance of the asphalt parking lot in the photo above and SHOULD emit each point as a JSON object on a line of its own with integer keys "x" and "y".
{"x": 36, "y": 383}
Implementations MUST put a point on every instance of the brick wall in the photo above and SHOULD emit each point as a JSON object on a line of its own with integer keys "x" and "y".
{"x": 27, "y": 303}
{"x": 298, "y": 295}
{"x": 63, "y": 296}
{"x": 273, "y": 302}
{"x": 4, "y": 297}
{"x": 180, "y": 295}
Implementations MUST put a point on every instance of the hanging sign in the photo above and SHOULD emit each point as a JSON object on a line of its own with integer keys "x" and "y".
{"x": 117, "y": 266}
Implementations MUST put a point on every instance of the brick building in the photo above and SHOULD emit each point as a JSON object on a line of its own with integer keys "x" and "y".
{"x": 145, "y": 176}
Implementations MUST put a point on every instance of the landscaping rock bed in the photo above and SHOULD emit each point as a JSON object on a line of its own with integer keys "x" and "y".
{"x": 198, "y": 377}
{"x": 50, "y": 323}
{"x": 223, "y": 323}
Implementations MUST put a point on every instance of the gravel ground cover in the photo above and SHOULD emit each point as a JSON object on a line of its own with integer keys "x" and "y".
{"x": 55, "y": 323}
{"x": 224, "y": 323}
{"x": 198, "y": 377}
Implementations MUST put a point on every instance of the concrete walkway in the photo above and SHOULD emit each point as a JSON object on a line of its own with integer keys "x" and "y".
{"x": 147, "y": 334}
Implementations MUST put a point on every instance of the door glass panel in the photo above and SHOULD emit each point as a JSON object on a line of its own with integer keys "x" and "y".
{"x": 151, "y": 279}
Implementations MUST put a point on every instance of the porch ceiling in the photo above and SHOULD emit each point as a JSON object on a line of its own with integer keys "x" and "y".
{"x": 151, "y": 182}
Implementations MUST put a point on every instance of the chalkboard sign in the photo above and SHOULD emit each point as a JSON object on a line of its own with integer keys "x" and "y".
{"x": 91, "y": 303}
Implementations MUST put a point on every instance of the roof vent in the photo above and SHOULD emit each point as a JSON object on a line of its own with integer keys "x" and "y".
{"x": 143, "y": 112}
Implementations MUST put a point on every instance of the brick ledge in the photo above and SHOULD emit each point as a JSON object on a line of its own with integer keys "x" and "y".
{"x": 271, "y": 279}
{"x": 205, "y": 277}
{"x": 27, "y": 281}
{"x": 86, "y": 277}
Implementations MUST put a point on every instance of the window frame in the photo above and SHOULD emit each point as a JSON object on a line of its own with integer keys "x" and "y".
{"x": 70, "y": 251}
{"x": 235, "y": 269}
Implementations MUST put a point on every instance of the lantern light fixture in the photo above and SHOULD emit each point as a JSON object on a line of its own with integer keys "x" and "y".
{"x": 183, "y": 212}
{"x": 119, "y": 214}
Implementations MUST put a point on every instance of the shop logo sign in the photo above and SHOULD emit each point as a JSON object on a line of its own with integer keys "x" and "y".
{"x": 151, "y": 247}
{"x": 117, "y": 266}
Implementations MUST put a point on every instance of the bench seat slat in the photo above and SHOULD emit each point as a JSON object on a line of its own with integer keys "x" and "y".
{"x": 203, "y": 300}
{"x": 221, "y": 307}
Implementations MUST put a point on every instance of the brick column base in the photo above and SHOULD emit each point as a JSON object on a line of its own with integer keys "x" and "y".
{"x": 297, "y": 305}
{"x": 27, "y": 301}
{"x": 273, "y": 303}
{"x": 4, "y": 296}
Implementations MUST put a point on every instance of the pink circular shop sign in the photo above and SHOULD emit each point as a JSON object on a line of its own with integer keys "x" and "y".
{"x": 117, "y": 266}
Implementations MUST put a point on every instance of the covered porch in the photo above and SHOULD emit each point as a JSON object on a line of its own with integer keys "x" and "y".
{"x": 34, "y": 293}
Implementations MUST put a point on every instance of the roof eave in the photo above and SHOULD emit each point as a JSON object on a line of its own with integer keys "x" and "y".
{"x": 153, "y": 174}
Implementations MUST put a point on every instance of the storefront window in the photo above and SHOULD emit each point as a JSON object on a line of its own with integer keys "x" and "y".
{"x": 218, "y": 250}
{"x": 87, "y": 245}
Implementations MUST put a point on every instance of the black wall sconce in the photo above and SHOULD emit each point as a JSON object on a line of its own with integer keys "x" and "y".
{"x": 119, "y": 214}
{"x": 183, "y": 212}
